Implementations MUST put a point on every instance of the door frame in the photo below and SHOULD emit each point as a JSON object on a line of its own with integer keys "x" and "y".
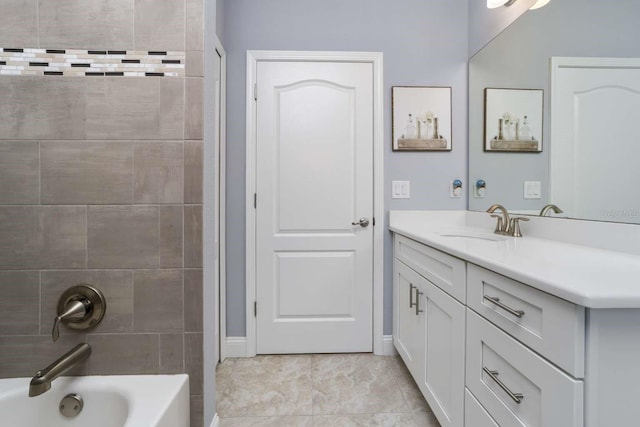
{"x": 374, "y": 58}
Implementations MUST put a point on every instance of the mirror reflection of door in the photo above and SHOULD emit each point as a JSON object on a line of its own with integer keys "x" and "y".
{"x": 596, "y": 111}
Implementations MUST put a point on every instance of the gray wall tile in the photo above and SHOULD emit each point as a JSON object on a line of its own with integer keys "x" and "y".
{"x": 124, "y": 354}
{"x": 159, "y": 25}
{"x": 22, "y": 356}
{"x": 88, "y": 24}
{"x": 116, "y": 285}
{"x": 37, "y": 108}
{"x": 19, "y": 302}
{"x": 158, "y": 296}
{"x": 86, "y": 172}
{"x": 193, "y": 236}
{"x": 171, "y": 354}
{"x": 171, "y": 229}
{"x": 193, "y": 300}
{"x": 19, "y": 23}
{"x": 194, "y": 109}
{"x": 194, "y": 63}
{"x": 158, "y": 172}
{"x": 42, "y": 237}
{"x": 193, "y": 171}
{"x": 171, "y": 108}
{"x": 123, "y": 108}
{"x": 123, "y": 237}
{"x": 195, "y": 25}
{"x": 197, "y": 410}
{"x": 19, "y": 172}
{"x": 193, "y": 361}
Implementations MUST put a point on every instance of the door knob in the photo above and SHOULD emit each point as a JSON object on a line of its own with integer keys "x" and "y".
{"x": 362, "y": 223}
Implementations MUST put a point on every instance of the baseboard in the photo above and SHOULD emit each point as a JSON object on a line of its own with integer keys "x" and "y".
{"x": 236, "y": 347}
{"x": 216, "y": 421}
{"x": 388, "y": 349}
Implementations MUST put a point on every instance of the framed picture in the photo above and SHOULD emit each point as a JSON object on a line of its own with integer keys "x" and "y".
{"x": 513, "y": 120}
{"x": 421, "y": 117}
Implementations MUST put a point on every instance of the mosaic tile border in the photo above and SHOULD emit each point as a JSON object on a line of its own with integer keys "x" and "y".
{"x": 81, "y": 63}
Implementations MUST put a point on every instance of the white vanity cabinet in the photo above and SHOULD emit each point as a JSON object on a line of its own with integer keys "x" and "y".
{"x": 429, "y": 326}
{"x": 486, "y": 350}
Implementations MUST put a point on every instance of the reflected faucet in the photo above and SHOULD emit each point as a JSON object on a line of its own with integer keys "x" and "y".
{"x": 502, "y": 227}
{"x": 548, "y": 208}
{"x": 41, "y": 382}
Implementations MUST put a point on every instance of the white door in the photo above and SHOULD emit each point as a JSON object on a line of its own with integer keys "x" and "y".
{"x": 314, "y": 177}
{"x": 595, "y": 116}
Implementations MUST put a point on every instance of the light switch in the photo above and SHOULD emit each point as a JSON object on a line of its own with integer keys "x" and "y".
{"x": 532, "y": 190}
{"x": 400, "y": 190}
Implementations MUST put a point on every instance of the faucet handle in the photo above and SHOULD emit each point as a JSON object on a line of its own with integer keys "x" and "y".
{"x": 77, "y": 309}
{"x": 515, "y": 225}
{"x": 499, "y": 225}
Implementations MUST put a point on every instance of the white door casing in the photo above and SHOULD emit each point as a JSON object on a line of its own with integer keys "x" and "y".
{"x": 595, "y": 106}
{"x": 311, "y": 270}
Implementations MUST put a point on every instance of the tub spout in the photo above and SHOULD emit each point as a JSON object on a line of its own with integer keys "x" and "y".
{"x": 41, "y": 382}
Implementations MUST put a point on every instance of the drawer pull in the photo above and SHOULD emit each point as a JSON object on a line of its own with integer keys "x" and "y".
{"x": 418, "y": 293}
{"x": 496, "y": 301}
{"x": 411, "y": 288}
{"x": 517, "y": 397}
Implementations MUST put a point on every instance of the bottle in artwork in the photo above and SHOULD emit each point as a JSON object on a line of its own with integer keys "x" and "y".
{"x": 411, "y": 131}
{"x": 525, "y": 131}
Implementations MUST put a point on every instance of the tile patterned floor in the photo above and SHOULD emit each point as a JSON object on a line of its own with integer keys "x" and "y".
{"x": 324, "y": 390}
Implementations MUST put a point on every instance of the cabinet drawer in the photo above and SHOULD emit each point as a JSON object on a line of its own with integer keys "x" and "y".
{"x": 474, "y": 414}
{"x": 549, "y": 325}
{"x": 516, "y": 386}
{"x": 445, "y": 271}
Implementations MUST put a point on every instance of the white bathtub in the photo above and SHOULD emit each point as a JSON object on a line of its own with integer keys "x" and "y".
{"x": 109, "y": 401}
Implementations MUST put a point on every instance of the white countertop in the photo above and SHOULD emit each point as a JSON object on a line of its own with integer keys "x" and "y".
{"x": 587, "y": 276}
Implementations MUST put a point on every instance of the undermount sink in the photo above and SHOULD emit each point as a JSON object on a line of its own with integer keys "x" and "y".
{"x": 476, "y": 235}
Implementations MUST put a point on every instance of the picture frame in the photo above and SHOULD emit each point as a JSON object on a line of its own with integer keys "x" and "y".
{"x": 513, "y": 120}
{"x": 421, "y": 118}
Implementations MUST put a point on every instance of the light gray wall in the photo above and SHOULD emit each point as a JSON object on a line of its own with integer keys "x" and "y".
{"x": 519, "y": 58}
{"x": 424, "y": 43}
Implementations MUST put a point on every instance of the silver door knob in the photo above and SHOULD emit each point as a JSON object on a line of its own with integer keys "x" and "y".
{"x": 362, "y": 223}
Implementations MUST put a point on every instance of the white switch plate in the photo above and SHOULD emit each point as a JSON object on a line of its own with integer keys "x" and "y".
{"x": 532, "y": 190}
{"x": 400, "y": 190}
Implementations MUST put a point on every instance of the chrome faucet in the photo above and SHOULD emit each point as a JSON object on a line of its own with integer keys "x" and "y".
{"x": 548, "y": 208}
{"x": 502, "y": 227}
{"x": 41, "y": 382}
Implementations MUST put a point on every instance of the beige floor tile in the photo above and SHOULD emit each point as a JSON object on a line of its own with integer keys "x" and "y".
{"x": 288, "y": 421}
{"x": 365, "y": 420}
{"x": 354, "y": 384}
{"x": 425, "y": 419}
{"x": 266, "y": 386}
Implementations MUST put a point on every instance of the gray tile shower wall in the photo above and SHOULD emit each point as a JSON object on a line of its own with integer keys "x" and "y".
{"x": 101, "y": 182}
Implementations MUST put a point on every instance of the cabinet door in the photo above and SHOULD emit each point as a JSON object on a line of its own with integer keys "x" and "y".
{"x": 408, "y": 326}
{"x": 442, "y": 380}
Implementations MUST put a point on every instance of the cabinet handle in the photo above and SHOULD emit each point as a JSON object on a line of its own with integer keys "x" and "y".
{"x": 418, "y": 293}
{"x": 516, "y": 397}
{"x": 411, "y": 288}
{"x": 496, "y": 301}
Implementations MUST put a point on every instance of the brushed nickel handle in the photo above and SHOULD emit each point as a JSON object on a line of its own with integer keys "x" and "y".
{"x": 362, "y": 222}
{"x": 411, "y": 288}
{"x": 516, "y": 397}
{"x": 496, "y": 301}
{"x": 418, "y": 293}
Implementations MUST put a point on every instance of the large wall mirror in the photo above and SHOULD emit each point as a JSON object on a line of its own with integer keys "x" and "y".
{"x": 594, "y": 167}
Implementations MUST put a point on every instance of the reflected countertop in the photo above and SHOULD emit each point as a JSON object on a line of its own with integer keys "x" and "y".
{"x": 585, "y": 275}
